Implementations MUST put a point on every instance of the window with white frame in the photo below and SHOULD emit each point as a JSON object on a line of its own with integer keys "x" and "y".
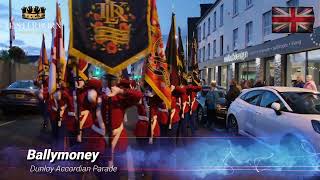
{"x": 209, "y": 50}
{"x": 214, "y": 48}
{"x": 235, "y": 7}
{"x": 235, "y": 38}
{"x": 204, "y": 31}
{"x": 267, "y": 23}
{"x": 214, "y": 21}
{"x": 203, "y": 54}
{"x": 209, "y": 26}
{"x": 221, "y": 14}
{"x": 248, "y": 3}
{"x": 199, "y": 34}
{"x": 249, "y": 33}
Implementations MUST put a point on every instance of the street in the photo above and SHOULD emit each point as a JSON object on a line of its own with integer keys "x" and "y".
{"x": 213, "y": 153}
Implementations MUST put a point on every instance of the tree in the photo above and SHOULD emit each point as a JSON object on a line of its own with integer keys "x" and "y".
{"x": 4, "y": 55}
{"x": 17, "y": 54}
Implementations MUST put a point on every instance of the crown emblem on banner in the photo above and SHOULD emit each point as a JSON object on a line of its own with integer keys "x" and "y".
{"x": 33, "y": 12}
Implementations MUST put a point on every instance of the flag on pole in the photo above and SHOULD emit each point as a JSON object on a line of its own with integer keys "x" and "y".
{"x": 12, "y": 31}
{"x": 110, "y": 34}
{"x": 172, "y": 54}
{"x": 43, "y": 62}
{"x": 156, "y": 68}
{"x": 292, "y": 19}
{"x": 58, "y": 59}
{"x": 181, "y": 60}
{"x": 194, "y": 63}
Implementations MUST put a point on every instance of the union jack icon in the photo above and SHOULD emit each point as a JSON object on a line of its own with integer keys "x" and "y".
{"x": 292, "y": 19}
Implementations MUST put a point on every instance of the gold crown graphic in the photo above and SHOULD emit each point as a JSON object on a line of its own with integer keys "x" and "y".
{"x": 33, "y": 12}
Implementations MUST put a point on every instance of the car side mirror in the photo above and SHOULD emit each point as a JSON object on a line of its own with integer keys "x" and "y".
{"x": 276, "y": 107}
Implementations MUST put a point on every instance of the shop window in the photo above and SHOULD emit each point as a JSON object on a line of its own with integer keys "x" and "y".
{"x": 269, "y": 72}
{"x": 247, "y": 71}
{"x": 314, "y": 66}
{"x": 296, "y": 66}
{"x": 224, "y": 76}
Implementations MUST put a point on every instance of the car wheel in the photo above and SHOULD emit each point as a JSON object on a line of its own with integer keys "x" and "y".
{"x": 232, "y": 125}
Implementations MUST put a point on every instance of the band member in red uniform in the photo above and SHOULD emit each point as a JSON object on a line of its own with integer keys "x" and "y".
{"x": 83, "y": 126}
{"x": 184, "y": 113}
{"x": 121, "y": 99}
{"x": 57, "y": 106}
{"x": 148, "y": 106}
{"x": 175, "y": 117}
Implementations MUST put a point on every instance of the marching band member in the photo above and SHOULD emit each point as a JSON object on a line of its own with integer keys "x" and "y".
{"x": 121, "y": 99}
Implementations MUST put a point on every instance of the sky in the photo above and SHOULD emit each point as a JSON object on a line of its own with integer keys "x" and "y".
{"x": 28, "y": 33}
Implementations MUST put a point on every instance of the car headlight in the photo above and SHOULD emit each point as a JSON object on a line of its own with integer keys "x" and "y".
{"x": 316, "y": 125}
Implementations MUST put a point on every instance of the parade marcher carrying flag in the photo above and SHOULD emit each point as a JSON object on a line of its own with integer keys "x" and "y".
{"x": 42, "y": 82}
{"x": 58, "y": 59}
{"x": 112, "y": 40}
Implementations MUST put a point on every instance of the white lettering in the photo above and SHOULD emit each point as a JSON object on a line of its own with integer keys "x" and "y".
{"x": 31, "y": 154}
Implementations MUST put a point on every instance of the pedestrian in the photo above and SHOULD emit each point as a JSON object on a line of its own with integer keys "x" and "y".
{"x": 299, "y": 82}
{"x": 211, "y": 103}
{"x": 310, "y": 84}
{"x": 233, "y": 92}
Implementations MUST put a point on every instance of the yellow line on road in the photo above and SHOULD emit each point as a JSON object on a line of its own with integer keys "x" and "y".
{"x": 7, "y": 123}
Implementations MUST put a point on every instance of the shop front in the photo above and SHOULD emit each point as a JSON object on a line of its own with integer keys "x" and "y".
{"x": 277, "y": 63}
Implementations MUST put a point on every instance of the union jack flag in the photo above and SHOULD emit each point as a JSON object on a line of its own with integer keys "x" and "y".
{"x": 292, "y": 19}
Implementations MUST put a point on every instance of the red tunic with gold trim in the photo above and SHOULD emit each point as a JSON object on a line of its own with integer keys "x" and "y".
{"x": 119, "y": 104}
{"x": 194, "y": 93}
{"x": 175, "y": 103}
{"x": 142, "y": 126}
{"x": 163, "y": 114}
{"x": 54, "y": 104}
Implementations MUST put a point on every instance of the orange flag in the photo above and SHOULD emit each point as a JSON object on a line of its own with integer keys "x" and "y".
{"x": 156, "y": 68}
{"x": 43, "y": 62}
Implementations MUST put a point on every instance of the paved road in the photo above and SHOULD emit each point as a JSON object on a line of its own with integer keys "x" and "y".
{"x": 21, "y": 131}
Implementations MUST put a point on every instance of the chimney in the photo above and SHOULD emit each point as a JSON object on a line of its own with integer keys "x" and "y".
{"x": 204, "y": 8}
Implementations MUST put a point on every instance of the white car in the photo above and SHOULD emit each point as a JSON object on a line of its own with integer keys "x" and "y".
{"x": 276, "y": 115}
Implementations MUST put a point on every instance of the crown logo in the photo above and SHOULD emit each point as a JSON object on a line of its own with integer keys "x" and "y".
{"x": 33, "y": 12}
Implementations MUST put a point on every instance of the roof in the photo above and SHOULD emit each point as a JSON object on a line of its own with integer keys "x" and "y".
{"x": 214, "y": 5}
{"x": 285, "y": 89}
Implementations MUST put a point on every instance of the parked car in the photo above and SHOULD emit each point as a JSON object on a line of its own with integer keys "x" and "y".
{"x": 20, "y": 94}
{"x": 221, "y": 103}
{"x": 277, "y": 116}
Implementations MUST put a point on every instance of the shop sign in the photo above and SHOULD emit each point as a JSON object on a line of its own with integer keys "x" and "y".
{"x": 236, "y": 56}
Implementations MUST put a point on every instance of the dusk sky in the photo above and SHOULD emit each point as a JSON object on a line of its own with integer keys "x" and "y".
{"x": 28, "y": 37}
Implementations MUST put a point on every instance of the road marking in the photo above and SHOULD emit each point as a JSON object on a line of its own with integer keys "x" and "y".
{"x": 7, "y": 123}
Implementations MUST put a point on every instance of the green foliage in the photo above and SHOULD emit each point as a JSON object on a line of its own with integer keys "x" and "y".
{"x": 17, "y": 54}
{"x": 4, "y": 55}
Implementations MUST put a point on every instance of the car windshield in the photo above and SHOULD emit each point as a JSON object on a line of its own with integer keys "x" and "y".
{"x": 303, "y": 102}
{"x": 23, "y": 85}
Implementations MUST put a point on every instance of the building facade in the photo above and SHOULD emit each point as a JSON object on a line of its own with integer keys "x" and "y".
{"x": 235, "y": 41}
